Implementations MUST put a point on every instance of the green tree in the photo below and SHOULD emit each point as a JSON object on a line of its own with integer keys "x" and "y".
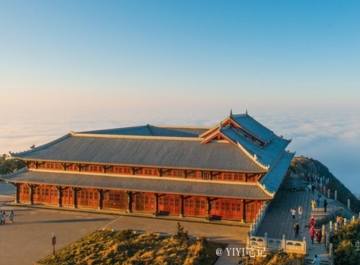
{"x": 9, "y": 165}
{"x": 344, "y": 244}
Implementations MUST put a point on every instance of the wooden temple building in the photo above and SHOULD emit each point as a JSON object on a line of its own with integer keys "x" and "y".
{"x": 224, "y": 172}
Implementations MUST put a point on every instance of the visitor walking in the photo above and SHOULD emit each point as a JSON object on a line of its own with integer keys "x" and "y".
{"x": 312, "y": 221}
{"x": 318, "y": 236}
{"x": 316, "y": 260}
{"x": 325, "y": 205}
{"x": 300, "y": 211}
{"x": 11, "y": 216}
{"x": 296, "y": 229}
{"x": 309, "y": 188}
{"x": 312, "y": 234}
{"x": 312, "y": 188}
{"x": 293, "y": 213}
{"x": 318, "y": 201}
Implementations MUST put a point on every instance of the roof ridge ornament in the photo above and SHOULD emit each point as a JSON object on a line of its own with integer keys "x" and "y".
{"x": 220, "y": 125}
{"x": 231, "y": 112}
{"x": 247, "y": 112}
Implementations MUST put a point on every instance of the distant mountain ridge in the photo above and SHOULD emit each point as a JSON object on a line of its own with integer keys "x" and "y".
{"x": 314, "y": 167}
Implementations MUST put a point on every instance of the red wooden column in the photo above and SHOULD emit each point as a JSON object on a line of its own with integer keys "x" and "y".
{"x": 101, "y": 199}
{"x": 243, "y": 211}
{"x": 156, "y": 204}
{"x": 17, "y": 188}
{"x": 208, "y": 209}
{"x": 59, "y": 195}
{"x": 129, "y": 193}
{"x": 31, "y": 194}
{"x": 75, "y": 190}
{"x": 182, "y": 206}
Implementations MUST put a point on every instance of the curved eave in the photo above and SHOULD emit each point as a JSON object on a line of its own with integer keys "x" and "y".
{"x": 266, "y": 168}
{"x": 272, "y": 180}
{"x": 137, "y": 166}
{"x": 16, "y": 154}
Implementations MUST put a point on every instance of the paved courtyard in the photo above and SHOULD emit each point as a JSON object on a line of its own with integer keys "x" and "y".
{"x": 28, "y": 239}
{"x": 278, "y": 220}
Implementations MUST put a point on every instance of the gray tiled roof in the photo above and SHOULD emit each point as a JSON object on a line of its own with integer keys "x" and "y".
{"x": 144, "y": 151}
{"x": 267, "y": 154}
{"x": 274, "y": 177}
{"x": 150, "y": 130}
{"x": 254, "y": 127}
{"x": 159, "y": 185}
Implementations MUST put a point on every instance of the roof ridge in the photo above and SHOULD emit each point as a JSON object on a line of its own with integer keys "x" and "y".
{"x": 114, "y": 129}
{"x": 183, "y": 127}
{"x": 140, "y": 137}
{"x": 217, "y": 125}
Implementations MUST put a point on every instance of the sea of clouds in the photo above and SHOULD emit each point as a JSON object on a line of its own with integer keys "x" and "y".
{"x": 332, "y": 138}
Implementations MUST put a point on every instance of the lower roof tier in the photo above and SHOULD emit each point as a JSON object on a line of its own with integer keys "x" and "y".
{"x": 275, "y": 176}
{"x": 140, "y": 184}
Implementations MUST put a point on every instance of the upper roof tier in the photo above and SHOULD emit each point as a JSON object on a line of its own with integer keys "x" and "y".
{"x": 253, "y": 127}
{"x": 234, "y": 147}
{"x": 150, "y": 130}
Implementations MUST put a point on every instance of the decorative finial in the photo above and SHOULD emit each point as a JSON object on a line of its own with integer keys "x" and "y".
{"x": 220, "y": 125}
{"x": 231, "y": 112}
{"x": 246, "y": 112}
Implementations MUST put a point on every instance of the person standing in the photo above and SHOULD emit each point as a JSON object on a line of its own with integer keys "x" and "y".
{"x": 318, "y": 202}
{"x": 316, "y": 260}
{"x": 312, "y": 188}
{"x": 325, "y": 205}
{"x": 296, "y": 229}
{"x": 11, "y": 216}
{"x": 293, "y": 213}
{"x": 318, "y": 236}
{"x": 312, "y": 221}
{"x": 313, "y": 205}
{"x": 309, "y": 188}
{"x": 300, "y": 211}
{"x": 312, "y": 234}
{"x": 3, "y": 214}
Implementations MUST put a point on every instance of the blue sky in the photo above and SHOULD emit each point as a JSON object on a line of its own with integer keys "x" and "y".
{"x": 93, "y": 64}
{"x": 258, "y": 50}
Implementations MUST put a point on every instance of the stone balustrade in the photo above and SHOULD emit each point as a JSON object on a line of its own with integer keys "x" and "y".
{"x": 259, "y": 218}
{"x": 275, "y": 244}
